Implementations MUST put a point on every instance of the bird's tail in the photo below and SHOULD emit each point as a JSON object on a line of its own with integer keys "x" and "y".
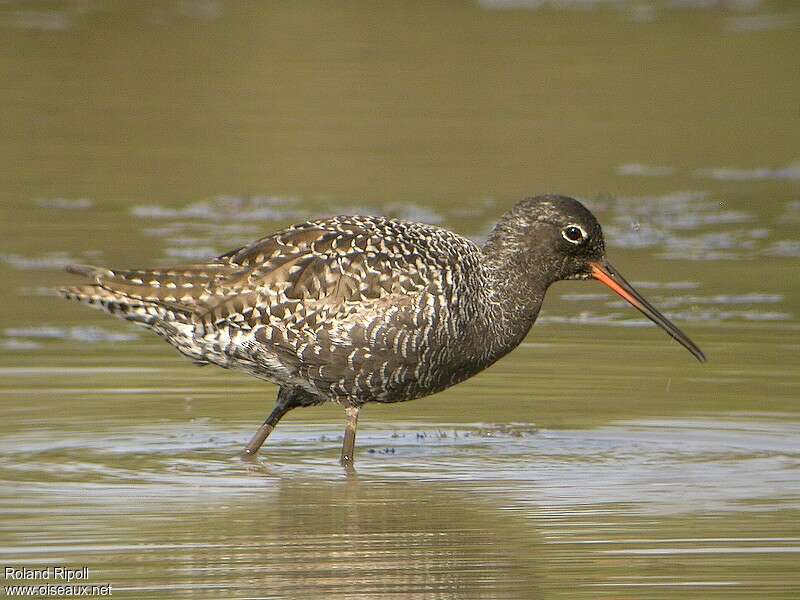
{"x": 142, "y": 296}
{"x": 113, "y": 303}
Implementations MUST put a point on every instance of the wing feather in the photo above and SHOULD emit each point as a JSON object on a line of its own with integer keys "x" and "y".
{"x": 313, "y": 268}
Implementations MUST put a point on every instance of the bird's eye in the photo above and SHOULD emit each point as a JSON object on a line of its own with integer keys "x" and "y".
{"x": 574, "y": 234}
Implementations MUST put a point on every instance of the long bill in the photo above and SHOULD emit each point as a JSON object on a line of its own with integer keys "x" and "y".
{"x": 609, "y": 276}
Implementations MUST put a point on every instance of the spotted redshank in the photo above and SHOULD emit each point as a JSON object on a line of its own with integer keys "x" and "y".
{"x": 358, "y": 309}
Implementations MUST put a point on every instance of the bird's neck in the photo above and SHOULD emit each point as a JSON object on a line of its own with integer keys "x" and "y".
{"x": 517, "y": 292}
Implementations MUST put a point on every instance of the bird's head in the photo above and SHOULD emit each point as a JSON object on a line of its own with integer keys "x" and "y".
{"x": 551, "y": 238}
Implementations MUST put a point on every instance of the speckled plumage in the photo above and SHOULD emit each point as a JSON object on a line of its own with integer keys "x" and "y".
{"x": 350, "y": 309}
{"x": 357, "y": 309}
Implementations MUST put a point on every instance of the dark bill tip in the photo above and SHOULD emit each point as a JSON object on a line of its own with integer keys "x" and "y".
{"x": 608, "y": 275}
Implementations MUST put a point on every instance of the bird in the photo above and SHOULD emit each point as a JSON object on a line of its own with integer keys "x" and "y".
{"x": 359, "y": 309}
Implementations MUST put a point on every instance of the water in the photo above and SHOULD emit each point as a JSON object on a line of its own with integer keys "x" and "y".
{"x": 599, "y": 460}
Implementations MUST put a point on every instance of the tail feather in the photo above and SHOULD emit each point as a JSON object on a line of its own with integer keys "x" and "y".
{"x": 89, "y": 271}
{"x": 138, "y": 311}
{"x": 170, "y": 294}
{"x": 184, "y": 289}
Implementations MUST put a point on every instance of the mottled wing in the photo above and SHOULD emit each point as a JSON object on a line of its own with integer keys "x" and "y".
{"x": 320, "y": 267}
{"x": 337, "y": 301}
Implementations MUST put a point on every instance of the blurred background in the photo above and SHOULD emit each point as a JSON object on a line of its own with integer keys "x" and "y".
{"x": 599, "y": 460}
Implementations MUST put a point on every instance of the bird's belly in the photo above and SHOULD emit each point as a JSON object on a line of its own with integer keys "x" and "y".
{"x": 395, "y": 354}
{"x": 398, "y": 360}
{"x": 232, "y": 348}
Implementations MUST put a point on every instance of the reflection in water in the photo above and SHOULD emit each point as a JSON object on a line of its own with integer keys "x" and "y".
{"x": 703, "y": 464}
{"x": 497, "y": 510}
{"x": 259, "y": 532}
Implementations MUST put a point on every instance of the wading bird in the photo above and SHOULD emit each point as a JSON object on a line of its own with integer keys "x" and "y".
{"x": 358, "y": 309}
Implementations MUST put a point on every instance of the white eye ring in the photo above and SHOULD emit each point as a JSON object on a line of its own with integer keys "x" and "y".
{"x": 568, "y": 233}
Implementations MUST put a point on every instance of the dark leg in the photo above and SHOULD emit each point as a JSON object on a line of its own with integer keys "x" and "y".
{"x": 286, "y": 402}
{"x": 349, "y": 435}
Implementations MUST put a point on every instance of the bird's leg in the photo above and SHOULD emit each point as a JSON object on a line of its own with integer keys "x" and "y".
{"x": 283, "y": 405}
{"x": 349, "y": 435}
